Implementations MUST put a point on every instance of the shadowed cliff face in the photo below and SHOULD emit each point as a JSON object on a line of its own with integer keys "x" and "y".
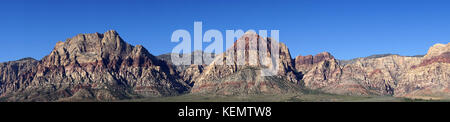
{"x": 98, "y": 67}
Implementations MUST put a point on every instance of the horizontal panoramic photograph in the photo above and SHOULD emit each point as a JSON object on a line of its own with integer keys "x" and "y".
{"x": 225, "y": 51}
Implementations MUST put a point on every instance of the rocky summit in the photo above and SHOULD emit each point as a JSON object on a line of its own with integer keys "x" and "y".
{"x": 90, "y": 67}
{"x": 103, "y": 67}
{"x": 226, "y": 75}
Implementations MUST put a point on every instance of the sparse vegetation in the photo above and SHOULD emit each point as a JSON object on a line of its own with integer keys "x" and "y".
{"x": 310, "y": 96}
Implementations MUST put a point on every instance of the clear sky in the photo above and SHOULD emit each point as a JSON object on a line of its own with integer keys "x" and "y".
{"x": 345, "y": 28}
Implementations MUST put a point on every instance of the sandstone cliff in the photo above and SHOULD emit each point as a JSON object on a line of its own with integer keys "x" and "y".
{"x": 91, "y": 66}
{"x": 401, "y": 76}
{"x": 226, "y": 75}
{"x": 430, "y": 78}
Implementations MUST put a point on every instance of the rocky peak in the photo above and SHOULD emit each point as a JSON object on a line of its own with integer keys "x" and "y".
{"x": 322, "y": 56}
{"x": 437, "y": 50}
{"x": 89, "y": 48}
{"x": 247, "y": 49}
{"x": 309, "y": 59}
{"x": 237, "y": 70}
{"x": 107, "y": 49}
{"x": 246, "y": 52}
{"x": 305, "y": 63}
{"x": 93, "y": 66}
{"x": 438, "y": 53}
{"x": 430, "y": 78}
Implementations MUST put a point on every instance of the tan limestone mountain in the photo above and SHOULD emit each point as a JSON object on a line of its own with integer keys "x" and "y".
{"x": 240, "y": 72}
{"x": 92, "y": 66}
{"x": 430, "y": 78}
{"x": 437, "y": 50}
{"x": 401, "y": 76}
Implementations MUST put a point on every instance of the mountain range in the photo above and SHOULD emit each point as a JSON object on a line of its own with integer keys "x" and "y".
{"x": 103, "y": 67}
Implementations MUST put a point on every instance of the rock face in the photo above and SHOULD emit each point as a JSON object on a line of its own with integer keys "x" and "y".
{"x": 430, "y": 78}
{"x": 345, "y": 62}
{"x": 401, "y": 76}
{"x": 15, "y": 75}
{"x": 91, "y": 66}
{"x": 191, "y": 73}
{"x": 240, "y": 73}
{"x": 306, "y": 63}
{"x": 437, "y": 50}
{"x": 320, "y": 71}
{"x": 378, "y": 76}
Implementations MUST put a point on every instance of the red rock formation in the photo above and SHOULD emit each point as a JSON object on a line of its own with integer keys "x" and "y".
{"x": 442, "y": 58}
{"x": 304, "y": 63}
{"x": 226, "y": 76}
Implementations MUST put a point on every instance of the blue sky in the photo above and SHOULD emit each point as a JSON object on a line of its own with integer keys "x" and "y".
{"x": 346, "y": 28}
